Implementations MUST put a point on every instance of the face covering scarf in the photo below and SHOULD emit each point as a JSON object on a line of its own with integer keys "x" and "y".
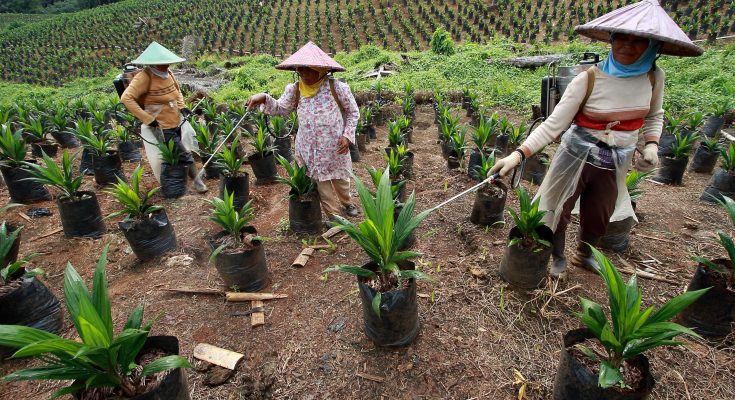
{"x": 310, "y": 90}
{"x": 644, "y": 63}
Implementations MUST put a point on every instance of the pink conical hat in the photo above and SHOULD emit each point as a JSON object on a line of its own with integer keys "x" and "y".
{"x": 646, "y": 19}
{"x": 310, "y": 56}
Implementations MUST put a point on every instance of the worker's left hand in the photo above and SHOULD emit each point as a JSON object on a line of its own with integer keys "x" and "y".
{"x": 343, "y": 145}
{"x": 650, "y": 158}
{"x": 186, "y": 113}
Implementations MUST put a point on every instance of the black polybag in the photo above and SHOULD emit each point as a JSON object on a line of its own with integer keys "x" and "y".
{"x": 149, "y": 237}
{"x": 83, "y": 217}
{"x": 23, "y": 190}
{"x": 245, "y": 270}
{"x": 305, "y": 213}
{"x": 107, "y": 168}
{"x": 398, "y": 323}
{"x": 173, "y": 180}
{"x": 31, "y": 304}
{"x": 237, "y": 186}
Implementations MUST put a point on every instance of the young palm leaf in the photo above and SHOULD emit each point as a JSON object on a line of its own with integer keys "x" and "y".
{"x": 136, "y": 204}
{"x": 528, "y": 219}
{"x": 297, "y": 180}
{"x": 228, "y": 217}
{"x": 630, "y": 330}
{"x": 12, "y": 147}
{"x": 101, "y": 359}
{"x": 170, "y": 153}
{"x": 380, "y": 237}
{"x": 229, "y": 160}
{"x": 61, "y": 178}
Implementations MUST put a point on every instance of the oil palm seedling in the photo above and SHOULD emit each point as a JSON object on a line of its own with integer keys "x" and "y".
{"x": 106, "y": 163}
{"x": 208, "y": 140}
{"x": 102, "y": 362}
{"x": 529, "y": 244}
{"x": 238, "y": 251}
{"x": 145, "y": 225}
{"x": 713, "y": 314}
{"x": 706, "y": 155}
{"x": 262, "y": 160}
{"x": 174, "y": 173}
{"x": 127, "y": 148}
{"x": 79, "y": 210}
{"x": 24, "y": 300}
{"x": 13, "y": 165}
{"x": 673, "y": 166}
{"x": 722, "y": 182}
{"x": 458, "y": 146}
{"x": 35, "y": 130}
{"x": 59, "y": 125}
{"x": 625, "y": 335}
{"x": 387, "y": 283}
{"x": 716, "y": 120}
{"x": 304, "y": 210}
{"x": 395, "y": 134}
{"x": 233, "y": 178}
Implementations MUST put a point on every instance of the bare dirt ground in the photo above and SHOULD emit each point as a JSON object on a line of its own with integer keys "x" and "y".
{"x": 479, "y": 338}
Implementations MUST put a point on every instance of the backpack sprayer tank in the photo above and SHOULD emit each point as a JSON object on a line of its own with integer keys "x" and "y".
{"x": 123, "y": 79}
{"x": 555, "y": 83}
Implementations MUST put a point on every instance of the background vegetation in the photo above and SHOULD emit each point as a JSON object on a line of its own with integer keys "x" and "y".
{"x": 90, "y": 42}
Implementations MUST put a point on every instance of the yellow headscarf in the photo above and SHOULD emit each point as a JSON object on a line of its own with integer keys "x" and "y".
{"x": 310, "y": 90}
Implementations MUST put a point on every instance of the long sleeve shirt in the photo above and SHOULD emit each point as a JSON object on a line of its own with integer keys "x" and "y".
{"x": 162, "y": 99}
{"x": 321, "y": 124}
{"x": 613, "y": 100}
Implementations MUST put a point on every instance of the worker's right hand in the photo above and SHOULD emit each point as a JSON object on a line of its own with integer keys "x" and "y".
{"x": 256, "y": 100}
{"x": 507, "y": 164}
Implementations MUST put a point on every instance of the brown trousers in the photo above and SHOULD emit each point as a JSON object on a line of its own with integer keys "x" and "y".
{"x": 334, "y": 195}
{"x": 597, "y": 192}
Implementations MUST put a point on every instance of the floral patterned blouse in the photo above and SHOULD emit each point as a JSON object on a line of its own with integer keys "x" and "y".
{"x": 320, "y": 127}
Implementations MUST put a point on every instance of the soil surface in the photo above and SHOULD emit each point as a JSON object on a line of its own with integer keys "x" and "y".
{"x": 479, "y": 338}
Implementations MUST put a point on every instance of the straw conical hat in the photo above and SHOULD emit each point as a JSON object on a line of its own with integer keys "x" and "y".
{"x": 645, "y": 19}
{"x": 156, "y": 54}
{"x": 310, "y": 56}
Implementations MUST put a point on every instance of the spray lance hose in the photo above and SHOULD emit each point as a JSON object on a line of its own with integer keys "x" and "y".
{"x": 515, "y": 178}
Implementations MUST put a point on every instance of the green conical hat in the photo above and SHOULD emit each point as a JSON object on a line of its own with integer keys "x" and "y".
{"x": 156, "y": 54}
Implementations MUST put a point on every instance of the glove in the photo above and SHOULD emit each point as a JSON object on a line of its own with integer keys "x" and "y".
{"x": 650, "y": 158}
{"x": 153, "y": 124}
{"x": 507, "y": 164}
{"x": 186, "y": 113}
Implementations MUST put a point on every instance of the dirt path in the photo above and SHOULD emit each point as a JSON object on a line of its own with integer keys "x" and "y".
{"x": 475, "y": 330}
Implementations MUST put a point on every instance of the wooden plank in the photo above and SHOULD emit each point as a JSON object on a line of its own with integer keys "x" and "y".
{"x": 55, "y": 231}
{"x": 370, "y": 377}
{"x": 331, "y": 232}
{"x": 301, "y": 260}
{"x": 186, "y": 290}
{"x": 320, "y": 247}
{"x": 25, "y": 217}
{"x": 217, "y": 355}
{"x": 245, "y": 296}
{"x": 257, "y": 318}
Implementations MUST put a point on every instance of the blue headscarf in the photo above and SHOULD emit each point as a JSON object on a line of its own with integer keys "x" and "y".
{"x": 644, "y": 63}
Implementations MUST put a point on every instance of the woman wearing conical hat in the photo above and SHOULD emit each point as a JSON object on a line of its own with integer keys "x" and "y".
{"x": 328, "y": 116}
{"x": 154, "y": 97}
{"x": 608, "y": 107}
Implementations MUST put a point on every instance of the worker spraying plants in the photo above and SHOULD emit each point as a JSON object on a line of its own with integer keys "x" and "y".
{"x": 155, "y": 98}
{"x": 608, "y": 107}
{"x": 328, "y": 117}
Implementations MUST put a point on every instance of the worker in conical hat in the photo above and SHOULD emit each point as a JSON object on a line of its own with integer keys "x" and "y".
{"x": 608, "y": 107}
{"x": 328, "y": 116}
{"x": 155, "y": 98}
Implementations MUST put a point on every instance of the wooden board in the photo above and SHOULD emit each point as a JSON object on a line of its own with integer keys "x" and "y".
{"x": 331, "y": 232}
{"x": 247, "y": 296}
{"x": 258, "y": 318}
{"x": 303, "y": 258}
{"x": 217, "y": 355}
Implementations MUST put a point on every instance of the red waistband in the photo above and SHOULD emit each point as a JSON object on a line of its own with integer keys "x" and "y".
{"x": 630, "y": 125}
